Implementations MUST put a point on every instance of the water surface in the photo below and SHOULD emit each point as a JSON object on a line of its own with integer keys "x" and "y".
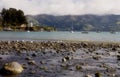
{"x": 61, "y": 35}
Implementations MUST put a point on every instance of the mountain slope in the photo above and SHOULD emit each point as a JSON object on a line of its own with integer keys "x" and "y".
{"x": 81, "y": 22}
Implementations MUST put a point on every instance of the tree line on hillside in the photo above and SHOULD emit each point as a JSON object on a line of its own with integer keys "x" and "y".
{"x": 12, "y": 17}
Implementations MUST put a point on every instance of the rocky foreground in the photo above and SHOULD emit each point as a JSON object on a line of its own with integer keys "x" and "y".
{"x": 62, "y": 58}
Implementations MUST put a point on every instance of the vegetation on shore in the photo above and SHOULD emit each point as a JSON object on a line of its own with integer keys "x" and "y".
{"x": 14, "y": 20}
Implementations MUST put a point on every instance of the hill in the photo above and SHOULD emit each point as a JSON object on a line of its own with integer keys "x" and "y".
{"x": 80, "y": 22}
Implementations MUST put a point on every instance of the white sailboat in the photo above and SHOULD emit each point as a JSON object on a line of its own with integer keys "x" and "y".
{"x": 28, "y": 31}
{"x": 72, "y": 29}
{"x": 31, "y": 25}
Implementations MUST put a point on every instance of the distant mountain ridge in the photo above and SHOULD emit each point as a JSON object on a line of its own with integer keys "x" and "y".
{"x": 81, "y": 22}
{"x": 78, "y": 22}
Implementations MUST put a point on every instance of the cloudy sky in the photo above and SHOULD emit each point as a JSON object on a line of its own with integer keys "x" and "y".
{"x": 64, "y": 7}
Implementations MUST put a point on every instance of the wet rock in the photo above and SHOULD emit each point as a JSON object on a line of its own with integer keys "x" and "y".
{"x": 98, "y": 74}
{"x": 34, "y": 55}
{"x": 42, "y": 62}
{"x": 65, "y": 66}
{"x": 44, "y": 68}
{"x": 114, "y": 49}
{"x": 24, "y": 66}
{"x": 96, "y": 57}
{"x": 68, "y": 57}
{"x": 64, "y": 60}
{"x": 84, "y": 44}
{"x": 78, "y": 67}
{"x": 31, "y": 62}
{"x": 43, "y": 51}
{"x": 12, "y": 68}
{"x": 32, "y": 72}
{"x": 1, "y": 58}
{"x": 88, "y": 76}
{"x": 118, "y": 57}
{"x": 28, "y": 58}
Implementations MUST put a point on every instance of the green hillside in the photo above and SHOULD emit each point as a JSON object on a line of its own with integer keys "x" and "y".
{"x": 80, "y": 22}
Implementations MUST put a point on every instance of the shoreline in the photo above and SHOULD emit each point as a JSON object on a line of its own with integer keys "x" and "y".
{"x": 30, "y": 45}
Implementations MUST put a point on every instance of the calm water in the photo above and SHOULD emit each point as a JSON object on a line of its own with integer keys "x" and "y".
{"x": 91, "y": 36}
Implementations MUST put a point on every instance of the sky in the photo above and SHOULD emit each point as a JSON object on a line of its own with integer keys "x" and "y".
{"x": 64, "y": 7}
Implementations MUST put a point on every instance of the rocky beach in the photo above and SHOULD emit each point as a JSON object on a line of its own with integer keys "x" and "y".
{"x": 56, "y": 58}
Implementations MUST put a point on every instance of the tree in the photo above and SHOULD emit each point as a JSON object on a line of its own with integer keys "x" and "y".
{"x": 13, "y": 17}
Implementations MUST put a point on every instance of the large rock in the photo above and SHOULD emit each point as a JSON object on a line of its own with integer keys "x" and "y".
{"x": 12, "y": 68}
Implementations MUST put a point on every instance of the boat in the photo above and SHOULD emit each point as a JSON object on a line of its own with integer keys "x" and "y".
{"x": 28, "y": 31}
{"x": 85, "y": 32}
{"x": 112, "y": 32}
{"x": 72, "y": 31}
{"x": 98, "y": 31}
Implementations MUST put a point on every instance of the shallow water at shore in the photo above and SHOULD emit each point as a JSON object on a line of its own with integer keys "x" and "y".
{"x": 62, "y": 59}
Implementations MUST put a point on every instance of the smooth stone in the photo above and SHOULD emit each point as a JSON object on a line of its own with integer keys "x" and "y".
{"x": 42, "y": 62}
{"x": 32, "y": 72}
{"x": 28, "y": 58}
{"x": 32, "y": 62}
{"x": 68, "y": 58}
{"x": 1, "y": 58}
{"x": 78, "y": 67}
{"x": 12, "y": 68}
{"x": 24, "y": 66}
{"x": 64, "y": 60}
{"x": 88, "y": 76}
{"x": 34, "y": 55}
{"x": 98, "y": 74}
{"x": 118, "y": 57}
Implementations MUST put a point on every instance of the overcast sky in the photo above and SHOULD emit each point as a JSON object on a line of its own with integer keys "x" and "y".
{"x": 64, "y": 7}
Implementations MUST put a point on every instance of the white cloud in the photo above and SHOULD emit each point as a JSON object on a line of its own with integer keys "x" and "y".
{"x": 63, "y": 7}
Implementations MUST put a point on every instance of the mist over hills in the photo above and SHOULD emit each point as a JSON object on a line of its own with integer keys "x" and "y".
{"x": 79, "y": 22}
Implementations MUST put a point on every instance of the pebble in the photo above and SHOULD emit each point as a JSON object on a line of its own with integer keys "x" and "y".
{"x": 78, "y": 67}
{"x": 42, "y": 62}
{"x": 64, "y": 60}
{"x": 98, "y": 74}
{"x": 88, "y": 76}
{"x": 31, "y": 62}
{"x": 28, "y": 58}
{"x": 32, "y": 72}
{"x": 34, "y": 55}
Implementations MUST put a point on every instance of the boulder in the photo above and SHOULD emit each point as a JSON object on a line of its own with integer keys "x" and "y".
{"x": 12, "y": 68}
